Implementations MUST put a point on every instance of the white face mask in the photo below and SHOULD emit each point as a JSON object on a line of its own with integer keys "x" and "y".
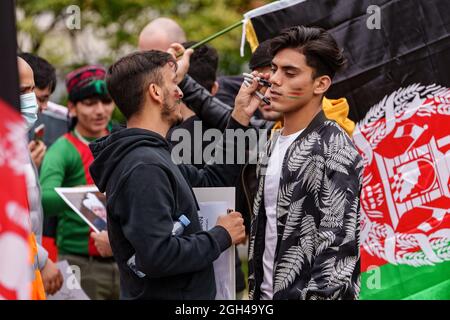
{"x": 29, "y": 108}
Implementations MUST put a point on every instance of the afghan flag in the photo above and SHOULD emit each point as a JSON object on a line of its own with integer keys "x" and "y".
{"x": 15, "y": 270}
{"x": 397, "y": 85}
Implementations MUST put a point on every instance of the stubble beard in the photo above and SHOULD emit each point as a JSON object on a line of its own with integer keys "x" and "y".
{"x": 170, "y": 116}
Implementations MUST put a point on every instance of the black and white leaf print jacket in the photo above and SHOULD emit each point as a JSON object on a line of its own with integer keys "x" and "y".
{"x": 317, "y": 254}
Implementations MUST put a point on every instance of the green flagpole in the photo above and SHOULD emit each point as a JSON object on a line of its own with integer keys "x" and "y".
{"x": 215, "y": 35}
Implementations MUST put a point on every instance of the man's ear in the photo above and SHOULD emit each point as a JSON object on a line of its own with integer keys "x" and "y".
{"x": 215, "y": 88}
{"x": 72, "y": 109}
{"x": 321, "y": 85}
{"x": 155, "y": 93}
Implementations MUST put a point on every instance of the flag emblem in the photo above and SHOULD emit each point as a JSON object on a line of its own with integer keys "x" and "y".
{"x": 405, "y": 198}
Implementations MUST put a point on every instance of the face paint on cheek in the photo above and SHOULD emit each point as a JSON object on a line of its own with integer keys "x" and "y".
{"x": 294, "y": 95}
{"x": 177, "y": 96}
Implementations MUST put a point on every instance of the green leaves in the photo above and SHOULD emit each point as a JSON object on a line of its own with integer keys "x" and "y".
{"x": 109, "y": 29}
{"x": 118, "y": 23}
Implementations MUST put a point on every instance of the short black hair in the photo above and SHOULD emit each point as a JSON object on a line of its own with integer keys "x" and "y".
{"x": 129, "y": 77}
{"x": 261, "y": 57}
{"x": 203, "y": 65}
{"x": 44, "y": 72}
{"x": 319, "y": 47}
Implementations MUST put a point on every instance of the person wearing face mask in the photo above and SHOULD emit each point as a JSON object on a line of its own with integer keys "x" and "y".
{"x": 47, "y": 278}
{"x": 55, "y": 118}
{"x": 29, "y": 109}
{"x": 52, "y": 115}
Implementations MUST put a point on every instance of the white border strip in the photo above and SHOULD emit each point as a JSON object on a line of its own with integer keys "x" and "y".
{"x": 268, "y": 8}
{"x": 62, "y": 191}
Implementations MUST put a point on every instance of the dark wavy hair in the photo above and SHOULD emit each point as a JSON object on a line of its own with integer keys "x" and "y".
{"x": 320, "y": 49}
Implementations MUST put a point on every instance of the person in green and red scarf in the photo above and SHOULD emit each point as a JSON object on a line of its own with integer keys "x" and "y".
{"x": 66, "y": 165}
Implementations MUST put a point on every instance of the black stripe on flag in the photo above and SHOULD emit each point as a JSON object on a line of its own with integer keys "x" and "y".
{"x": 412, "y": 45}
{"x": 9, "y": 78}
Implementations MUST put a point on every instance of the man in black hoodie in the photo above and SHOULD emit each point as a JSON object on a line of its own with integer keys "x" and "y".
{"x": 147, "y": 192}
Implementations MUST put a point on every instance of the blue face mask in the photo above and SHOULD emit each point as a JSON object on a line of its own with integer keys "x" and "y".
{"x": 29, "y": 108}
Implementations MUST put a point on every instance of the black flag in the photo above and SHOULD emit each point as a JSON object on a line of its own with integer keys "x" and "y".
{"x": 389, "y": 44}
{"x": 9, "y": 80}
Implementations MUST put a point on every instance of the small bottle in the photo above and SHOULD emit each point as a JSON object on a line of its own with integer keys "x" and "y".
{"x": 178, "y": 228}
{"x": 180, "y": 225}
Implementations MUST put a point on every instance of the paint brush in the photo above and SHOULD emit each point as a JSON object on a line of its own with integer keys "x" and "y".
{"x": 262, "y": 97}
{"x": 262, "y": 82}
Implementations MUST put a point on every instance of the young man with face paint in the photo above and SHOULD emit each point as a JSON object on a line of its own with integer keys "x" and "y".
{"x": 305, "y": 223}
{"x": 215, "y": 114}
{"x": 147, "y": 192}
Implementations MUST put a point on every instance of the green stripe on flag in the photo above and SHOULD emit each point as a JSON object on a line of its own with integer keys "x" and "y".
{"x": 406, "y": 282}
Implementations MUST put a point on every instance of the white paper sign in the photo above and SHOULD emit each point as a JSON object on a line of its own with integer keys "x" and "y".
{"x": 88, "y": 203}
{"x": 213, "y": 203}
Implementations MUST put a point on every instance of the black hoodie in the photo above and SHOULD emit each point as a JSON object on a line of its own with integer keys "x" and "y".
{"x": 146, "y": 193}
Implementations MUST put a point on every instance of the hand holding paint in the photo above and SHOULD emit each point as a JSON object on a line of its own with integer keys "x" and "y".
{"x": 248, "y": 98}
{"x": 248, "y": 79}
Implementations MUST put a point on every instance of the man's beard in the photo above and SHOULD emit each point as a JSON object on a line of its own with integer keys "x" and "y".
{"x": 171, "y": 117}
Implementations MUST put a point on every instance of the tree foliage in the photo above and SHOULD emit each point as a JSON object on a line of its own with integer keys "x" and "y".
{"x": 110, "y": 28}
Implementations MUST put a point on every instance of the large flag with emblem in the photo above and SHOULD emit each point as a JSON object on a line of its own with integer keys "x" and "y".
{"x": 405, "y": 201}
{"x": 396, "y": 84}
{"x": 15, "y": 270}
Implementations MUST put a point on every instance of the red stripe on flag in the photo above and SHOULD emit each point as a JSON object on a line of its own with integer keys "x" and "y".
{"x": 14, "y": 211}
{"x": 7, "y": 294}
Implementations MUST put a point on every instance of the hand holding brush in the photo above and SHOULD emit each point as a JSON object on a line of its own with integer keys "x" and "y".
{"x": 248, "y": 79}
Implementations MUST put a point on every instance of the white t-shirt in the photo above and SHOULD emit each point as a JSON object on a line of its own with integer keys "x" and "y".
{"x": 271, "y": 185}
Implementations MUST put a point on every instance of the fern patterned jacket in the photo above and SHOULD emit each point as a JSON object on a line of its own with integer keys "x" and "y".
{"x": 317, "y": 253}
